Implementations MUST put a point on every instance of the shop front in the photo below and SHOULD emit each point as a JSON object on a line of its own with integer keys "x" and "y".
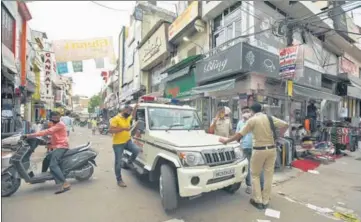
{"x": 154, "y": 55}
{"x": 234, "y": 73}
{"x": 8, "y": 75}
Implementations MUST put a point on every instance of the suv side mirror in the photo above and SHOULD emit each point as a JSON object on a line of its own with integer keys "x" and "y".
{"x": 141, "y": 126}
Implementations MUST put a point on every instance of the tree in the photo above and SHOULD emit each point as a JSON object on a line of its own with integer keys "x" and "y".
{"x": 93, "y": 102}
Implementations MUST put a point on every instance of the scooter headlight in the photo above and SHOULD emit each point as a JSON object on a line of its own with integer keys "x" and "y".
{"x": 191, "y": 158}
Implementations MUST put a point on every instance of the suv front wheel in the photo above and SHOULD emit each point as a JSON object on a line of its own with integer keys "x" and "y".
{"x": 168, "y": 188}
{"x": 233, "y": 188}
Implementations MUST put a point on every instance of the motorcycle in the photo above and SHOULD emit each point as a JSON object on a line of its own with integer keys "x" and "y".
{"x": 103, "y": 129}
{"x": 76, "y": 163}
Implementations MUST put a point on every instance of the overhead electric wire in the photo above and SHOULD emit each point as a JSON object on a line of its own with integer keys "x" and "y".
{"x": 305, "y": 19}
{"x": 107, "y": 7}
{"x": 338, "y": 30}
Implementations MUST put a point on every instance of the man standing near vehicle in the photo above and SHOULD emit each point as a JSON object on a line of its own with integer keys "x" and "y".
{"x": 264, "y": 153}
{"x": 247, "y": 146}
{"x": 68, "y": 122}
{"x": 120, "y": 128}
{"x": 58, "y": 145}
{"x": 221, "y": 125}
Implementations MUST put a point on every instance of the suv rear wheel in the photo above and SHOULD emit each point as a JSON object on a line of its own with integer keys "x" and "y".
{"x": 168, "y": 188}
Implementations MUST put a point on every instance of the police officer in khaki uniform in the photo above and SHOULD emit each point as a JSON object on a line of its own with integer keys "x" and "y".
{"x": 263, "y": 155}
{"x": 222, "y": 125}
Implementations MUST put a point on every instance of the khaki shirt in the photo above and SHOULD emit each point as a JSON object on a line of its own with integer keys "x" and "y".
{"x": 223, "y": 127}
{"x": 260, "y": 127}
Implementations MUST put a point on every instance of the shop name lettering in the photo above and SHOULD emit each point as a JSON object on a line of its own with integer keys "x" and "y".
{"x": 215, "y": 65}
{"x": 48, "y": 66}
{"x": 152, "y": 49}
{"x": 84, "y": 45}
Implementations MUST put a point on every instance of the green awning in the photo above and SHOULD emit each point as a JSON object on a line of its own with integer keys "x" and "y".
{"x": 315, "y": 94}
{"x": 215, "y": 87}
{"x": 183, "y": 64}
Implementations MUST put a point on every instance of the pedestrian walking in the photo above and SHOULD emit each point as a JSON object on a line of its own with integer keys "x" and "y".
{"x": 247, "y": 145}
{"x": 68, "y": 121}
{"x": 221, "y": 124}
{"x": 263, "y": 129}
{"x": 120, "y": 128}
{"x": 94, "y": 125}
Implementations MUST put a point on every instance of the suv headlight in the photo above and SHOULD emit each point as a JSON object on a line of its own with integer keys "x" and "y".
{"x": 239, "y": 153}
{"x": 191, "y": 158}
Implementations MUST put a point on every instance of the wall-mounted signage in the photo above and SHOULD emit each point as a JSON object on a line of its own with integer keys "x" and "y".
{"x": 154, "y": 49}
{"x": 187, "y": 16}
{"x": 220, "y": 65}
{"x": 48, "y": 66}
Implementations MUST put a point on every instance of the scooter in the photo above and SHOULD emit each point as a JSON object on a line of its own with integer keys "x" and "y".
{"x": 76, "y": 163}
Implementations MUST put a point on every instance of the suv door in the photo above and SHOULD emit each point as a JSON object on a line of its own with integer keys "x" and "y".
{"x": 138, "y": 138}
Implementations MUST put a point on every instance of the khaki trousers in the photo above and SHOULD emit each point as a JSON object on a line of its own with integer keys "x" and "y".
{"x": 262, "y": 160}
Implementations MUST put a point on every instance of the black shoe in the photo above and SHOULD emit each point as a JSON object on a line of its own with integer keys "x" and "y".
{"x": 259, "y": 206}
{"x": 265, "y": 206}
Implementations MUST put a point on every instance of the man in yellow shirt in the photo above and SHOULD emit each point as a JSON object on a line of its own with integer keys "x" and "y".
{"x": 120, "y": 128}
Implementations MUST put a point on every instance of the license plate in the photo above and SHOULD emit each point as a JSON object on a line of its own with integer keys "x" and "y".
{"x": 223, "y": 173}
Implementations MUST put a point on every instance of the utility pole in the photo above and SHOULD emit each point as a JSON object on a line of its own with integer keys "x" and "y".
{"x": 289, "y": 82}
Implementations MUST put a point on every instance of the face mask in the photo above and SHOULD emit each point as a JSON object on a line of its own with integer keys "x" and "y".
{"x": 126, "y": 115}
{"x": 55, "y": 121}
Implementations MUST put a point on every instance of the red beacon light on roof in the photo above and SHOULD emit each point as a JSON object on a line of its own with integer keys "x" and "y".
{"x": 148, "y": 99}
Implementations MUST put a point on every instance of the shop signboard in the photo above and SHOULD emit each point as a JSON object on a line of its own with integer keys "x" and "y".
{"x": 184, "y": 19}
{"x": 180, "y": 87}
{"x": 48, "y": 65}
{"x": 83, "y": 49}
{"x": 349, "y": 67}
{"x": 309, "y": 77}
{"x": 288, "y": 61}
{"x": 222, "y": 64}
{"x": 153, "y": 50}
{"x": 260, "y": 61}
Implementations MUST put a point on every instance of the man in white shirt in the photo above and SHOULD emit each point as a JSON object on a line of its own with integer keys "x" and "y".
{"x": 68, "y": 121}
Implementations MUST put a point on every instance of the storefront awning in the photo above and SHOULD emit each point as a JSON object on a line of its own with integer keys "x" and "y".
{"x": 355, "y": 82}
{"x": 184, "y": 63}
{"x": 214, "y": 87}
{"x": 315, "y": 94}
{"x": 8, "y": 59}
{"x": 354, "y": 92}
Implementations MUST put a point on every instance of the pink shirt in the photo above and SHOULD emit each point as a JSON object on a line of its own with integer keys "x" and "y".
{"x": 59, "y": 136}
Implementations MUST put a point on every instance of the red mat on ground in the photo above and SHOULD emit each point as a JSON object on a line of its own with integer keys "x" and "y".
{"x": 305, "y": 165}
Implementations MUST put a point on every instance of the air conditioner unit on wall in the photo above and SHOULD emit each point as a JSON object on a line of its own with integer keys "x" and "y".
{"x": 174, "y": 60}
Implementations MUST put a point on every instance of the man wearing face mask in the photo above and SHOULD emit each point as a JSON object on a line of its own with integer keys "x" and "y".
{"x": 120, "y": 128}
{"x": 246, "y": 143}
{"x": 58, "y": 146}
{"x": 221, "y": 125}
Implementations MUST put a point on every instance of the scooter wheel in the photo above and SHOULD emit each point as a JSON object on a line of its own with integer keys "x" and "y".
{"x": 87, "y": 174}
{"x": 9, "y": 185}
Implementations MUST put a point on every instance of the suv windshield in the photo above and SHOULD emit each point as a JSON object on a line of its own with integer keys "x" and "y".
{"x": 173, "y": 119}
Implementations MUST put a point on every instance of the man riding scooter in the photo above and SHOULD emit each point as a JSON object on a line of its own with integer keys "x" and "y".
{"x": 58, "y": 146}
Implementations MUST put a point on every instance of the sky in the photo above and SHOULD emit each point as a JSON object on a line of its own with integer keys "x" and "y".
{"x": 81, "y": 20}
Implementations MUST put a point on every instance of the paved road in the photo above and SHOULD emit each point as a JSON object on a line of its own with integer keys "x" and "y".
{"x": 99, "y": 199}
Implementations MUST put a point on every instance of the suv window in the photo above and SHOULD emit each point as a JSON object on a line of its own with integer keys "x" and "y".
{"x": 140, "y": 115}
{"x": 173, "y": 119}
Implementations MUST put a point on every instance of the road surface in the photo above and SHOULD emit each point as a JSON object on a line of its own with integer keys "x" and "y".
{"x": 101, "y": 200}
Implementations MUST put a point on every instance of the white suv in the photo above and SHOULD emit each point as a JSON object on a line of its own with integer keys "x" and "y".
{"x": 184, "y": 158}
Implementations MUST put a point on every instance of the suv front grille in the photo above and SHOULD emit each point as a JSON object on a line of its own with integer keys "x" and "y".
{"x": 219, "y": 157}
